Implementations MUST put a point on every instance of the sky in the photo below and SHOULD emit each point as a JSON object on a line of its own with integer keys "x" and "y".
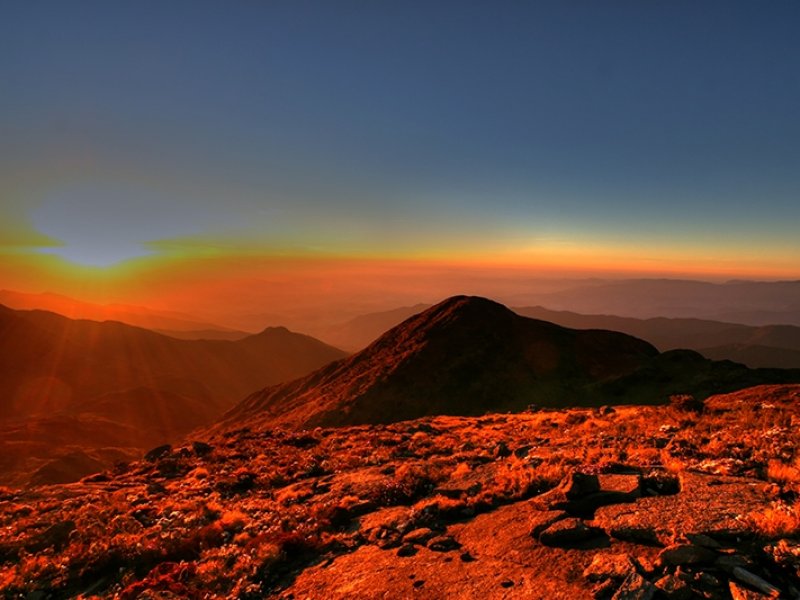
{"x": 148, "y": 148}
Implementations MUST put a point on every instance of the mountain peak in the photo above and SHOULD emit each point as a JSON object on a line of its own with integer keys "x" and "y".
{"x": 465, "y": 355}
{"x": 474, "y": 313}
{"x": 469, "y": 302}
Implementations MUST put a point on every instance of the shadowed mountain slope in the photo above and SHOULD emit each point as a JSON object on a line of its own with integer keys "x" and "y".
{"x": 359, "y": 332}
{"x": 110, "y": 385}
{"x": 49, "y": 362}
{"x": 765, "y": 346}
{"x": 468, "y": 355}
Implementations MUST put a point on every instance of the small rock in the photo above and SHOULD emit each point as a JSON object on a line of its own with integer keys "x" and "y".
{"x": 604, "y": 589}
{"x": 706, "y": 580}
{"x": 398, "y": 518}
{"x": 502, "y": 450}
{"x": 686, "y": 554}
{"x": 728, "y": 563}
{"x": 389, "y": 539}
{"x": 700, "y": 539}
{"x": 522, "y": 451}
{"x": 458, "y": 489}
{"x": 443, "y": 543}
{"x": 418, "y": 536}
{"x": 158, "y": 452}
{"x": 155, "y": 488}
{"x": 57, "y": 536}
{"x": 506, "y": 583}
{"x": 609, "y": 566}
{"x": 756, "y": 582}
{"x": 739, "y": 592}
{"x": 567, "y": 532}
{"x": 644, "y": 565}
{"x": 201, "y": 448}
{"x": 406, "y": 550}
{"x": 674, "y": 588}
{"x": 541, "y": 520}
{"x": 660, "y": 483}
{"x": 170, "y": 467}
{"x": 467, "y": 557}
{"x": 635, "y": 587}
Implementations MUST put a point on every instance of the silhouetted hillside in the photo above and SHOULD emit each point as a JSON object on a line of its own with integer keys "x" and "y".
{"x": 765, "y": 346}
{"x": 468, "y": 355}
{"x": 109, "y": 376}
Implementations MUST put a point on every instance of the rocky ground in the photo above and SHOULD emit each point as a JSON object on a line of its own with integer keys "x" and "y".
{"x": 694, "y": 500}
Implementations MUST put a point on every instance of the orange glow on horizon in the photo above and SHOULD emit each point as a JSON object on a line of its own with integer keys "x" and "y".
{"x": 204, "y": 277}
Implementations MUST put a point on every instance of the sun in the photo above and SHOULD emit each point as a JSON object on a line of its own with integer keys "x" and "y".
{"x": 99, "y": 254}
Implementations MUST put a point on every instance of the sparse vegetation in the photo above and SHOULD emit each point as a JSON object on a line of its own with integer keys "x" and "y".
{"x": 777, "y": 521}
{"x": 235, "y": 518}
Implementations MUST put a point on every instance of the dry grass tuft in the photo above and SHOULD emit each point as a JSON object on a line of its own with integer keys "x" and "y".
{"x": 777, "y": 521}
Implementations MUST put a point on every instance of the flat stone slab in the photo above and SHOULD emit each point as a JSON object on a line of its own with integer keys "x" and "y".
{"x": 629, "y": 485}
{"x": 568, "y": 532}
{"x": 498, "y": 559}
{"x": 714, "y": 506}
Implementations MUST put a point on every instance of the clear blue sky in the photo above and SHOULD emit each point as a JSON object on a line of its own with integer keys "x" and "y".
{"x": 360, "y": 126}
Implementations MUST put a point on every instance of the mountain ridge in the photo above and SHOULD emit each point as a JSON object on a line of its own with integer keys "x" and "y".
{"x": 97, "y": 377}
{"x": 467, "y": 355}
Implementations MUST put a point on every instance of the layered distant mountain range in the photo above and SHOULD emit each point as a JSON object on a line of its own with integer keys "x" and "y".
{"x": 77, "y": 396}
{"x": 106, "y": 386}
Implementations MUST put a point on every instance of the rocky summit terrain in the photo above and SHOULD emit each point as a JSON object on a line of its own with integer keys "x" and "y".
{"x": 689, "y": 500}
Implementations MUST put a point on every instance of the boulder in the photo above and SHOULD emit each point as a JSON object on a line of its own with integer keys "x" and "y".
{"x": 686, "y": 554}
{"x": 418, "y": 536}
{"x": 574, "y": 486}
{"x": 581, "y": 494}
